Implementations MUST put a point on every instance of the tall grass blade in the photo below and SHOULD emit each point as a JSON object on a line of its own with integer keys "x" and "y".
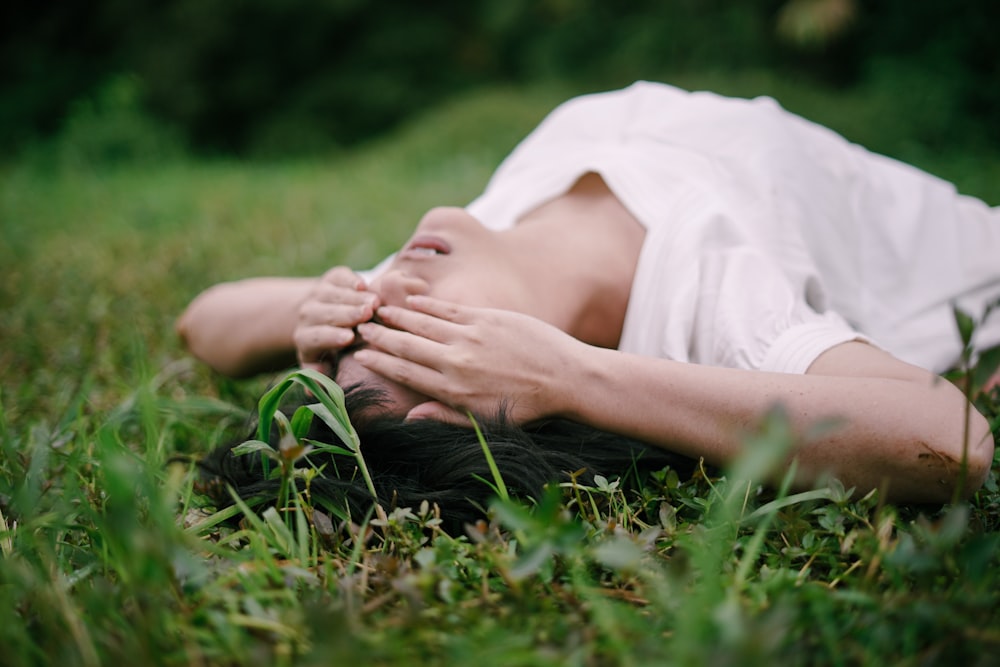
{"x": 500, "y": 486}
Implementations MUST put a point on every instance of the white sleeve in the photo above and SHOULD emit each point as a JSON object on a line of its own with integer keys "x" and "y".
{"x": 751, "y": 315}
{"x": 371, "y": 274}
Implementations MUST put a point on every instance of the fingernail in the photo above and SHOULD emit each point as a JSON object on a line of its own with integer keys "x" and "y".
{"x": 362, "y": 357}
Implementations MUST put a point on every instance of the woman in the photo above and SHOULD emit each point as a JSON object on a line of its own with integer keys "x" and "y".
{"x": 666, "y": 266}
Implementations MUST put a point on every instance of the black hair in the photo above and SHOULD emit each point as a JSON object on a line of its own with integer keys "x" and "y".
{"x": 444, "y": 464}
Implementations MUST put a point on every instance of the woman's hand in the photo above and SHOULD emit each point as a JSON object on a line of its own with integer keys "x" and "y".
{"x": 338, "y": 302}
{"x": 898, "y": 428}
{"x": 466, "y": 358}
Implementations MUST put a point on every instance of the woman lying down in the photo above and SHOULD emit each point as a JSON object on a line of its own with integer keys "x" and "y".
{"x": 643, "y": 278}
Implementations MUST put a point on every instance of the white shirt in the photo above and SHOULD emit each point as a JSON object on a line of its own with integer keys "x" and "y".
{"x": 769, "y": 239}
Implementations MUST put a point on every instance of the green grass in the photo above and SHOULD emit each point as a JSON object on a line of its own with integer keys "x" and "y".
{"x": 110, "y": 555}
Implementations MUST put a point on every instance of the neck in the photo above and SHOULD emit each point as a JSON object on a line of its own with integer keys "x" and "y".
{"x": 577, "y": 255}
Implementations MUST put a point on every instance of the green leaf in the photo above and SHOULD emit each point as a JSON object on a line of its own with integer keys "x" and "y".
{"x": 332, "y": 409}
{"x": 765, "y": 451}
{"x": 618, "y": 553}
{"x": 301, "y": 421}
{"x": 281, "y": 537}
{"x": 953, "y": 525}
{"x": 330, "y": 419}
{"x": 213, "y": 520}
{"x": 251, "y": 446}
{"x": 532, "y": 561}
{"x": 512, "y": 514}
{"x": 327, "y": 447}
{"x": 268, "y": 405}
{"x": 781, "y": 503}
{"x": 966, "y": 325}
{"x": 986, "y": 367}
{"x": 323, "y": 388}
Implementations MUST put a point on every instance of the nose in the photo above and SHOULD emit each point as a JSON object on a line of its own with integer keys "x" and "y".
{"x": 443, "y": 217}
{"x": 395, "y": 285}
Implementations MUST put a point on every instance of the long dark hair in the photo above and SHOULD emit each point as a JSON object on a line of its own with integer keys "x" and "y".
{"x": 444, "y": 464}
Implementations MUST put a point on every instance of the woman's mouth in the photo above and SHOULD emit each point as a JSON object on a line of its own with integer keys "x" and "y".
{"x": 426, "y": 245}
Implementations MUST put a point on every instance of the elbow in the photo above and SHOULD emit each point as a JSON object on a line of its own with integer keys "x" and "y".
{"x": 205, "y": 344}
{"x": 961, "y": 453}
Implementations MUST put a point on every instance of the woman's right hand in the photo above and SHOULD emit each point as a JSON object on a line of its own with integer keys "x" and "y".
{"x": 338, "y": 302}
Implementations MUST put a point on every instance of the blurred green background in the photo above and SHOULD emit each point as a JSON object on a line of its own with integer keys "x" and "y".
{"x": 293, "y": 77}
{"x": 150, "y": 148}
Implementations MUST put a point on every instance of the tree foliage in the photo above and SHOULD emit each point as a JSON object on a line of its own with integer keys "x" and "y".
{"x": 267, "y": 76}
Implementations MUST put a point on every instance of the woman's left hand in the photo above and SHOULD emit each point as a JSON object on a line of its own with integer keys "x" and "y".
{"x": 470, "y": 359}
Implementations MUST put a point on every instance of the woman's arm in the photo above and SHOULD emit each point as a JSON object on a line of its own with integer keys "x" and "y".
{"x": 900, "y": 427}
{"x": 261, "y": 324}
{"x": 245, "y": 327}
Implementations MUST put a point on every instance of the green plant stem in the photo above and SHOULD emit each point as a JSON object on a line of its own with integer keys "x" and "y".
{"x": 501, "y": 488}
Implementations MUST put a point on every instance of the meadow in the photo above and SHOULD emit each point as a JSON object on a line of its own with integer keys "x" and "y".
{"x": 109, "y": 552}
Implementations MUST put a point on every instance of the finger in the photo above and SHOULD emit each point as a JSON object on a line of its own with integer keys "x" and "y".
{"x": 403, "y": 344}
{"x": 445, "y": 310}
{"x": 421, "y": 324}
{"x": 419, "y": 378}
{"x": 344, "y": 277}
{"x": 438, "y": 411}
{"x": 314, "y": 313}
{"x": 340, "y": 294}
{"x": 315, "y": 343}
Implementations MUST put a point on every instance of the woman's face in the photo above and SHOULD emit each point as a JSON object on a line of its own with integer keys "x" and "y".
{"x": 453, "y": 257}
{"x": 450, "y": 256}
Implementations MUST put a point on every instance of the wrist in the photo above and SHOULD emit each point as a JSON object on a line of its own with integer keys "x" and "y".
{"x": 580, "y": 382}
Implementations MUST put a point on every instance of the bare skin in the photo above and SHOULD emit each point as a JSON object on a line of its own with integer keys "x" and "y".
{"x": 531, "y": 315}
{"x": 892, "y": 415}
{"x": 246, "y": 327}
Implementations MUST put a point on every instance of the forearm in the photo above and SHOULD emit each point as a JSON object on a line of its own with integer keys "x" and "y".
{"x": 903, "y": 432}
{"x": 898, "y": 425}
{"x": 245, "y": 327}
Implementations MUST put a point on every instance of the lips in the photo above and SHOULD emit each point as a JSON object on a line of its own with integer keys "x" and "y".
{"x": 426, "y": 245}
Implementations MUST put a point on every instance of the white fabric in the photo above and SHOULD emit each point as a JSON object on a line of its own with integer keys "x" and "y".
{"x": 769, "y": 239}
